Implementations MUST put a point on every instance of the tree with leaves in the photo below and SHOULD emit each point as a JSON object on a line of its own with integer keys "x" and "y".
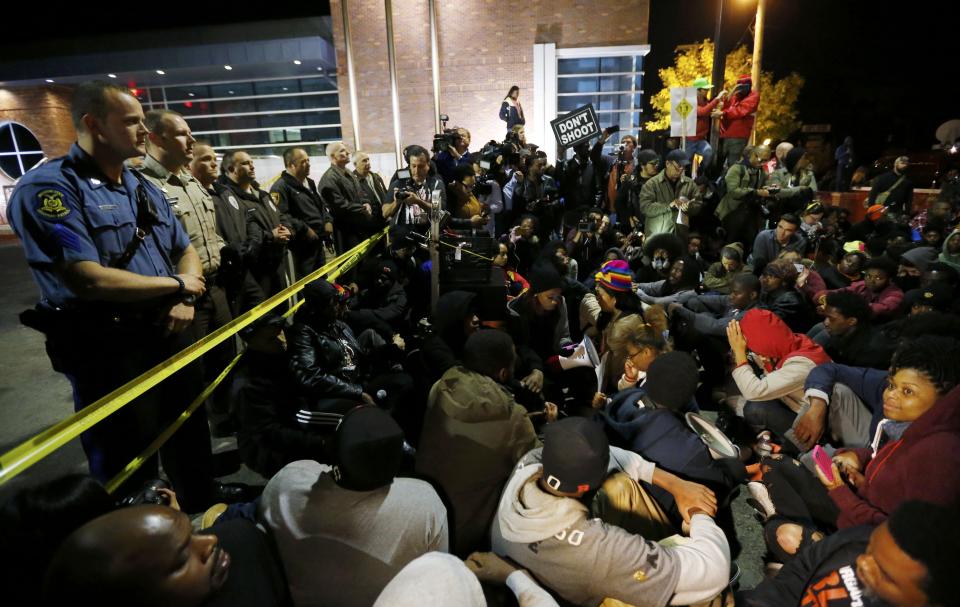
{"x": 777, "y": 115}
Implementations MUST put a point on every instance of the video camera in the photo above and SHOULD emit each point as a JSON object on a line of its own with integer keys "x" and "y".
{"x": 444, "y": 140}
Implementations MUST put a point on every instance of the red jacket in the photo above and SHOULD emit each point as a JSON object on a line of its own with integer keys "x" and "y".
{"x": 923, "y": 465}
{"x": 703, "y": 118}
{"x": 738, "y": 114}
{"x": 884, "y": 304}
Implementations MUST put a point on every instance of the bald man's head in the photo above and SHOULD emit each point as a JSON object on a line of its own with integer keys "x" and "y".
{"x": 143, "y": 555}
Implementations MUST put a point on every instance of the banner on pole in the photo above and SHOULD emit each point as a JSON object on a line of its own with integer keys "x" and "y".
{"x": 683, "y": 111}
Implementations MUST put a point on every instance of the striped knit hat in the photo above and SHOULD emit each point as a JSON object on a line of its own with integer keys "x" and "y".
{"x": 615, "y": 275}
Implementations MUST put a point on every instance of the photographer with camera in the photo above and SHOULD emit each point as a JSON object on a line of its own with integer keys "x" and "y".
{"x": 796, "y": 182}
{"x": 578, "y": 181}
{"x": 412, "y": 189}
{"x": 463, "y": 202}
{"x": 454, "y": 154}
{"x": 589, "y": 241}
{"x": 537, "y": 195}
{"x": 615, "y": 169}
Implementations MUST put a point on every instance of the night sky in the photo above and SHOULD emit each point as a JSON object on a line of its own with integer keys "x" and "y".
{"x": 873, "y": 70}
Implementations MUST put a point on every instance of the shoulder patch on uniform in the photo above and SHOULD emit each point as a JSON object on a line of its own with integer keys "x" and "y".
{"x": 51, "y": 204}
{"x": 275, "y": 196}
{"x": 233, "y": 202}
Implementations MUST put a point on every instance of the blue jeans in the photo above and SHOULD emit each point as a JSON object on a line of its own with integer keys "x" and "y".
{"x": 702, "y": 147}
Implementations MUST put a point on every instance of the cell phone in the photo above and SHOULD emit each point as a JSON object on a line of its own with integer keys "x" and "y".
{"x": 823, "y": 462}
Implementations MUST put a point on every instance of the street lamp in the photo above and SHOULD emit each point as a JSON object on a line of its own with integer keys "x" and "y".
{"x": 757, "y": 55}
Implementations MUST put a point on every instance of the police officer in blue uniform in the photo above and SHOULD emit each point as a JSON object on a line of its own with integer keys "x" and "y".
{"x": 118, "y": 278}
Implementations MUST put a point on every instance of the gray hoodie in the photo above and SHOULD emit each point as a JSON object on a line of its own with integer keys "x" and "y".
{"x": 585, "y": 560}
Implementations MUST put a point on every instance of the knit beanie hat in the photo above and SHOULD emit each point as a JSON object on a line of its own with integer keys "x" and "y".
{"x": 672, "y": 380}
{"x": 367, "y": 449}
{"x": 320, "y": 293}
{"x": 615, "y": 275}
{"x": 734, "y": 250}
{"x": 543, "y": 277}
{"x": 875, "y": 212}
{"x": 920, "y": 257}
{"x": 792, "y": 158}
{"x": 575, "y": 455}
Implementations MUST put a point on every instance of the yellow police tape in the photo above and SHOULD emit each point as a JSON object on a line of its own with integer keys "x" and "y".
{"x": 43, "y": 444}
{"x": 164, "y": 436}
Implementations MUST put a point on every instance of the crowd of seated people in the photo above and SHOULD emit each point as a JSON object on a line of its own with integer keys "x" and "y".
{"x": 418, "y": 452}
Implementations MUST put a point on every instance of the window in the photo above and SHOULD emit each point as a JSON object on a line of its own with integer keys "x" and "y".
{"x": 19, "y": 150}
{"x": 611, "y": 78}
{"x": 266, "y": 115}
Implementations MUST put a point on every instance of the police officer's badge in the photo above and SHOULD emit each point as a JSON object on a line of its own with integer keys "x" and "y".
{"x": 276, "y": 200}
{"x": 51, "y": 204}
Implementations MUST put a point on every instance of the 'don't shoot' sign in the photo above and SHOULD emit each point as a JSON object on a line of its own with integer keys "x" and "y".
{"x": 579, "y": 125}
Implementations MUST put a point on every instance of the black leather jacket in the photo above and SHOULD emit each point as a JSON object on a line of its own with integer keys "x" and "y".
{"x": 325, "y": 362}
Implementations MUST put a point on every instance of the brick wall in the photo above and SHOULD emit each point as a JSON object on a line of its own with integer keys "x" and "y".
{"x": 45, "y": 110}
{"x": 486, "y": 46}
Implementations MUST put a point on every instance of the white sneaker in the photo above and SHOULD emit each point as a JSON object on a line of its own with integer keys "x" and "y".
{"x": 760, "y": 494}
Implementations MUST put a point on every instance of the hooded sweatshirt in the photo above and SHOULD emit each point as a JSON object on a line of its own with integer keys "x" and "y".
{"x": 923, "y": 464}
{"x": 794, "y": 355}
{"x": 474, "y": 433}
{"x": 555, "y": 539}
{"x": 951, "y": 260}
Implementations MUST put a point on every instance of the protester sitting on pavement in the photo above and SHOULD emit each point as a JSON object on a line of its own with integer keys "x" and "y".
{"x": 772, "y": 399}
{"x": 473, "y": 435}
{"x": 909, "y": 560}
{"x": 380, "y": 303}
{"x": 877, "y": 288}
{"x": 780, "y": 295}
{"x": 638, "y": 340}
{"x": 846, "y": 272}
{"x": 561, "y": 511}
{"x": 344, "y": 531}
{"x": 720, "y": 274}
{"x": 149, "y": 555}
{"x": 683, "y": 279}
{"x": 933, "y": 298}
{"x": 847, "y": 335}
{"x": 912, "y": 455}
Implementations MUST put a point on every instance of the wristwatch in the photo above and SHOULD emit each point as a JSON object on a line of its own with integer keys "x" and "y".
{"x": 188, "y": 300}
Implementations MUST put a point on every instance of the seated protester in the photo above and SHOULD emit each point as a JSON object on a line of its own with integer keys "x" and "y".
{"x": 462, "y": 199}
{"x": 474, "y": 433}
{"x": 772, "y": 399}
{"x": 950, "y": 254}
{"x": 567, "y": 266}
{"x": 329, "y": 366}
{"x": 700, "y": 324}
{"x": 454, "y": 321}
{"x": 710, "y": 313}
{"x": 682, "y": 280}
{"x": 720, "y": 274}
{"x": 694, "y": 246}
{"x": 380, "y": 303}
{"x": 809, "y": 282}
{"x": 780, "y": 296}
{"x": 525, "y": 242}
{"x": 877, "y": 288}
{"x": 909, "y": 560}
{"x": 344, "y": 531}
{"x": 537, "y": 194}
{"x": 811, "y": 226}
{"x": 560, "y": 508}
{"x": 911, "y": 456}
{"x": 270, "y": 435}
{"x": 649, "y": 421}
{"x": 848, "y": 271}
{"x": 659, "y": 253}
{"x": 506, "y": 259}
{"x": 933, "y": 233}
{"x": 769, "y": 243}
{"x": 936, "y": 297}
{"x": 617, "y": 303}
{"x": 439, "y": 580}
{"x": 589, "y": 241}
{"x": 638, "y": 340}
{"x": 939, "y": 272}
{"x": 149, "y": 555}
{"x": 913, "y": 264}
{"x": 537, "y": 321}
{"x": 848, "y": 337}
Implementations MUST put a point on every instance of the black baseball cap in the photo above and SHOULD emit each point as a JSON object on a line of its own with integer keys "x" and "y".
{"x": 575, "y": 456}
{"x": 678, "y": 156}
